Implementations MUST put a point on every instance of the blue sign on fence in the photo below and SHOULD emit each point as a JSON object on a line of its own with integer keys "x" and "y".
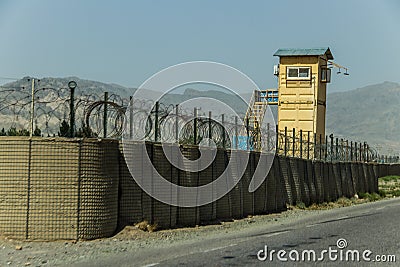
{"x": 242, "y": 142}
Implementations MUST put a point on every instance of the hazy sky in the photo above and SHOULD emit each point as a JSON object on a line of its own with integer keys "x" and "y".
{"x": 125, "y": 42}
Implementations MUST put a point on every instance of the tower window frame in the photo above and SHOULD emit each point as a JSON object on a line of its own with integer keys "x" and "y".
{"x": 326, "y": 74}
{"x": 298, "y": 73}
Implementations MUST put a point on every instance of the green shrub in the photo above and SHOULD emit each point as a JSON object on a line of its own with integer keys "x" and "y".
{"x": 374, "y": 197}
{"x": 300, "y": 205}
{"x": 396, "y": 193}
{"x": 382, "y": 193}
{"x": 363, "y": 195}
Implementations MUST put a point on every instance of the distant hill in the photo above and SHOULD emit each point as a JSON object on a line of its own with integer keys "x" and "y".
{"x": 367, "y": 114}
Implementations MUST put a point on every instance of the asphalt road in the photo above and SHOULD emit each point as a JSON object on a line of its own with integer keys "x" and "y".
{"x": 371, "y": 226}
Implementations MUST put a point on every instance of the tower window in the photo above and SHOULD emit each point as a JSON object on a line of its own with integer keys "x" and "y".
{"x": 325, "y": 75}
{"x": 298, "y": 73}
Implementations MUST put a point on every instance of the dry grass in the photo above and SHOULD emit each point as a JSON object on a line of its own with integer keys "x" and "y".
{"x": 341, "y": 202}
{"x": 146, "y": 226}
{"x": 389, "y": 186}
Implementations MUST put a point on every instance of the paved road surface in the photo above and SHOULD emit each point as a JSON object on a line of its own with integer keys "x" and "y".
{"x": 371, "y": 226}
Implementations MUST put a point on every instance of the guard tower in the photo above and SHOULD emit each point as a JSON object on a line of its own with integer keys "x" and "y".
{"x": 302, "y": 78}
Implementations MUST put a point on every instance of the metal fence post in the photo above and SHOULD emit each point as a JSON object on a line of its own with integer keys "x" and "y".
{"x": 293, "y": 141}
{"x": 236, "y": 132}
{"x": 331, "y": 136}
{"x": 247, "y": 134}
{"x": 130, "y": 117}
{"x": 326, "y": 147}
{"x": 315, "y": 146}
{"x": 285, "y": 151}
{"x": 28, "y": 199}
{"x": 301, "y": 144}
{"x": 355, "y": 151}
{"x": 337, "y": 149}
{"x": 195, "y": 127}
{"x": 341, "y": 149}
{"x": 156, "y": 123}
{"x": 223, "y": 130}
{"x": 209, "y": 128}
{"x": 176, "y": 123}
{"x": 105, "y": 115}
{"x": 320, "y": 146}
{"x": 351, "y": 150}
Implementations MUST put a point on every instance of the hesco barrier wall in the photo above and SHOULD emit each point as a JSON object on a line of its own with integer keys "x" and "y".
{"x": 290, "y": 181}
{"x": 57, "y": 188}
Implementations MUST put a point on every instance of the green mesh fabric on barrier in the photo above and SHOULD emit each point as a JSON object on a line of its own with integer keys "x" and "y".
{"x": 304, "y": 189}
{"x": 333, "y": 190}
{"x": 162, "y": 211}
{"x": 363, "y": 177}
{"x": 392, "y": 169}
{"x": 237, "y": 194}
{"x": 223, "y": 204}
{"x": 296, "y": 186}
{"x": 281, "y": 198}
{"x": 318, "y": 173}
{"x": 130, "y": 197}
{"x": 311, "y": 181}
{"x": 271, "y": 187}
{"x": 350, "y": 182}
{"x": 260, "y": 195}
{"x": 339, "y": 174}
{"x": 356, "y": 177}
{"x": 248, "y": 203}
{"x": 206, "y": 211}
{"x": 286, "y": 174}
{"x": 325, "y": 182}
{"x": 188, "y": 216}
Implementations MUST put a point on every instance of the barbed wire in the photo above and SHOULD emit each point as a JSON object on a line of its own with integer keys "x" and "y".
{"x": 98, "y": 115}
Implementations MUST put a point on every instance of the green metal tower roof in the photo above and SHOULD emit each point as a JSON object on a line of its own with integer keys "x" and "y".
{"x": 304, "y": 52}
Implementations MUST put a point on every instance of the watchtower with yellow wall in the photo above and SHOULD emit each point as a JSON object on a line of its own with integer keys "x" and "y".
{"x": 303, "y": 75}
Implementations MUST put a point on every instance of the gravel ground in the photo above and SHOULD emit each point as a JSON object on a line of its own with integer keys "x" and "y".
{"x": 129, "y": 240}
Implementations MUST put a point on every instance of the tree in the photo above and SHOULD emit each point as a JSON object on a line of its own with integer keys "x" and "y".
{"x": 23, "y": 132}
{"x": 85, "y": 131}
{"x": 12, "y": 132}
{"x": 37, "y": 132}
{"x": 64, "y": 129}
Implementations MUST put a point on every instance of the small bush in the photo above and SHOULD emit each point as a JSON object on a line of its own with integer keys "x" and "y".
{"x": 396, "y": 193}
{"x": 146, "y": 226}
{"x": 301, "y": 205}
{"x": 344, "y": 202}
{"x": 382, "y": 193}
{"x": 390, "y": 178}
{"x": 363, "y": 195}
{"x": 374, "y": 197}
